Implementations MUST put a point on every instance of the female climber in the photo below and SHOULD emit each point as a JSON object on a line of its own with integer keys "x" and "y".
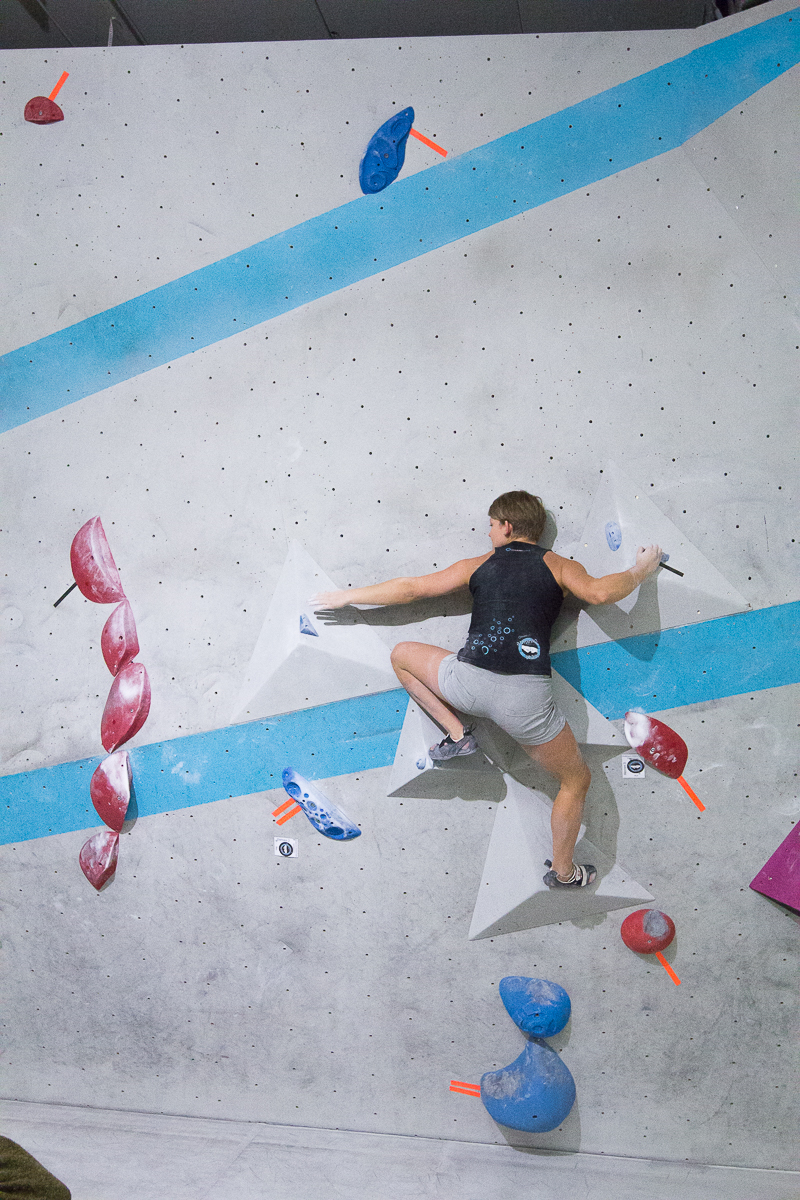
{"x": 503, "y": 670}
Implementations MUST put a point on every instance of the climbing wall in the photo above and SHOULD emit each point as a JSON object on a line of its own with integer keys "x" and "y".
{"x": 266, "y": 384}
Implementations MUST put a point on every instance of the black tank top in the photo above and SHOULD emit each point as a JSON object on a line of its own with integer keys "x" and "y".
{"x": 515, "y": 600}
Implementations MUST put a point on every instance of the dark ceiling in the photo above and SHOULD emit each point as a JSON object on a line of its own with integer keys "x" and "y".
{"x": 36, "y": 24}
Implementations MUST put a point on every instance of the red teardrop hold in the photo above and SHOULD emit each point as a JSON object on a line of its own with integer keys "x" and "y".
{"x": 98, "y": 857}
{"x": 119, "y": 640}
{"x": 110, "y": 789}
{"x": 127, "y": 706}
{"x": 93, "y": 566}
{"x": 41, "y": 110}
{"x": 663, "y": 748}
{"x": 647, "y": 930}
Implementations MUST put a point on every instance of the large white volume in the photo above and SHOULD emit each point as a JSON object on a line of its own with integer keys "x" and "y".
{"x": 513, "y": 895}
{"x": 298, "y": 661}
{"x": 623, "y": 516}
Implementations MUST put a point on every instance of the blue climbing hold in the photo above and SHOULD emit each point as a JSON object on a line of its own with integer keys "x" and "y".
{"x": 385, "y": 153}
{"x": 533, "y": 1094}
{"x": 306, "y": 626}
{"x": 539, "y": 1007}
{"x": 326, "y": 817}
{"x": 613, "y": 535}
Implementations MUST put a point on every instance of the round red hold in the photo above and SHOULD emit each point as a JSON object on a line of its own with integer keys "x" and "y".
{"x": 41, "y": 110}
{"x": 647, "y": 930}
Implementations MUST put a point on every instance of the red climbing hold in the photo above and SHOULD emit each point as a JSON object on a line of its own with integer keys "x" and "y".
{"x": 647, "y": 930}
{"x": 119, "y": 640}
{"x": 93, "y": 564}
{"x": 127, "y": 706}
{"x": 98, "y": 857}
{"x": 663, "y": 748}
{"x": 41, "y": 110}
{"x": 110, "y": 789}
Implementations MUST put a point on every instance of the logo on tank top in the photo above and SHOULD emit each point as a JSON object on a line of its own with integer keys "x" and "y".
{"x": 529, "y": 648}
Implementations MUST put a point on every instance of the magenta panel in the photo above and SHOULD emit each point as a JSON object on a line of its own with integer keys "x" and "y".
{"x": 779, "y": 878}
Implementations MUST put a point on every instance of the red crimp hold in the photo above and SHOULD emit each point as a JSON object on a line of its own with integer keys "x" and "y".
{"x": 119, "y": 640}
{"x": 110, "y": 789}
{"x": 127, "y": 706}
{"x": 41, "y": 110}
{"x": 93, "y": 565}
{"x": 98, "y": 857}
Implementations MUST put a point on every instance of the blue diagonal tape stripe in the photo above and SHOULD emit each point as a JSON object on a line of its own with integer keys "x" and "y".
{"x": 746, "y": 652}
{"x": 601, "y": 136}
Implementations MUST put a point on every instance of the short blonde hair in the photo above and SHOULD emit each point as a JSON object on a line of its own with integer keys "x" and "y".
{"x": 525, "y": 513}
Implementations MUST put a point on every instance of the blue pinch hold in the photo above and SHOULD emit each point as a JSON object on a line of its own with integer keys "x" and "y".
{"x": 540, "y": 1008}
{"x": 385, "y": 153}
{"x": 613, "y": 535}
{"x": 326, "y": 817}
{"x": 533, "y": 1094}
{"x": 306, "y": 626}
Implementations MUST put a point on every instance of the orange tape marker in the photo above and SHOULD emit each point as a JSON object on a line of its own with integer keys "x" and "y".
{"x": 276, "y": 812}
{"x": 691, "y": 794}
{"x": 288, "y": 816}
{"x": 667, "y": 967}
{"x": 466, "y": 1089}
{"x": 421, "y": 138}
{"x": 59, "y": 85}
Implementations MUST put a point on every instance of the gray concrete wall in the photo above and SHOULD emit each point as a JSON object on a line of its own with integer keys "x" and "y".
{"x": 645, "y": 319}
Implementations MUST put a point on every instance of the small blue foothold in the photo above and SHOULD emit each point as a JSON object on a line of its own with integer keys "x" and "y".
{"x": 326, "y": 817}
{"x": 540, "y": 1008}
{"x": 306, "y": 626}
{"x": 613, "y": 535}
{"x": 534, "y": 1094}
{"x": 385, "y": 153}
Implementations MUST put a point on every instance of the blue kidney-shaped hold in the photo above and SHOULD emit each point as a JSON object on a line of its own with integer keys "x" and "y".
{"x": 534, "y": 1094}
{"x": 613, "y": 535}
{"x": 385, "y": 153}
{"x": 539, "y": 1007}
{"x": 326, "y": 817}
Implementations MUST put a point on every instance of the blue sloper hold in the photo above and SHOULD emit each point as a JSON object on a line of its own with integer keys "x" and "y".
{"x": 306, "y": 626}
{"x": 385, "y": 153}
{"x": 326, "y": 817}
{"x": 539, "y": 1007}
{"x": 534, "y": 1094}
{"x": 613, "y": 535}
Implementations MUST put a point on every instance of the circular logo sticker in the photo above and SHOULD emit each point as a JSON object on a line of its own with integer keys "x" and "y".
{"x": 635, "y": 766}
{"x": 529, "y": 648}
{"x": 286, "y": 849}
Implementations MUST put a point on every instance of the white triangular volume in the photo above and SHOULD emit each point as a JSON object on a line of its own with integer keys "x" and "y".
{"x": 471, "y": 777}
{"x": 513, "y": 895}
{"x": 588, "y": 724}
{"x": 622, "y": 515}
{"x": 291, "y": 668}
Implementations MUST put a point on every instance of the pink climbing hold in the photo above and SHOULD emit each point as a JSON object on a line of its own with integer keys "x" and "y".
{"x": 98, "y": 857}
{"x": 663, "y": 748}
{"x": 119, "y": 640}
{"x": 127, "y": 706}
{"x": 110, "y": 789}
{"x": 93, "y": 565}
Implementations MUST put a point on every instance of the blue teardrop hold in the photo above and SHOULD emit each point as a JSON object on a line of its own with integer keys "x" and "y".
{"x": 540, "y": 1008}
{"x": 326, "y": 817}
{"x": 533, "y": 1094}
{"x": 613, "y": 535}
{"x": 385, "y": 153}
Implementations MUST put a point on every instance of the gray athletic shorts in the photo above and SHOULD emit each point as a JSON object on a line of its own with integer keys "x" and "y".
{"x": 522, "y": 705}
